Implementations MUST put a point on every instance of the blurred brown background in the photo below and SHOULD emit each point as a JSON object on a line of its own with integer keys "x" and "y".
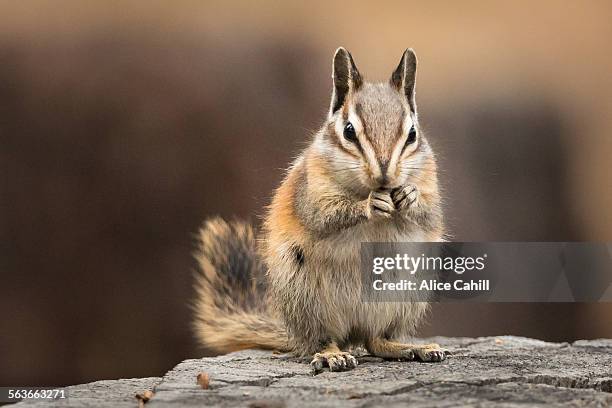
{"x": 124, "y": 124}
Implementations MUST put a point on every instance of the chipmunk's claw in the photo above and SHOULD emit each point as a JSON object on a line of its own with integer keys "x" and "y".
{"x": 431, "y": 353}
{"x": 404, "y": 197}
{"x": 336, "y": 361}
{"x": 380, "y": 204}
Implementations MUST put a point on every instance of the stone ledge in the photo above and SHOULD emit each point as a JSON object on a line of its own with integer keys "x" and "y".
{"x": 486, "y": 371}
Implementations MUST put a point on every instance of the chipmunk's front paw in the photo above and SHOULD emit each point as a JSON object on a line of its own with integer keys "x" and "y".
{"x": 380, "y": 205}
{"x": 431, "y": 353}
{"x": 336, "y": 361}
{"x": 404, "y": 197}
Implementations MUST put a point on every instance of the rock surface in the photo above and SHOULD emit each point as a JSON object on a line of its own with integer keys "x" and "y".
{"x": 490, "y": 371}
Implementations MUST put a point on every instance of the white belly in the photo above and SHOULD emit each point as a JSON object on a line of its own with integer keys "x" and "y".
{"x": 342, "y": 265}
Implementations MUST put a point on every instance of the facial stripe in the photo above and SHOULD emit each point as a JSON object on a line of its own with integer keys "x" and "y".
{"x": 358, "y": 111}
{"x": 368, "y": 150}
{"x": 396, "y": 151}
{"x": 334, "y": 138}
{"x": 407, "y": 125}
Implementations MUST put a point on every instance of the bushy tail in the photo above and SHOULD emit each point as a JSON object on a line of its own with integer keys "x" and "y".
{"x": 231, "y": 311}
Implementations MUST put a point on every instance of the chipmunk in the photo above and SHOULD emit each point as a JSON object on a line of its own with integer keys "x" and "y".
{"x": 369, "y": 175}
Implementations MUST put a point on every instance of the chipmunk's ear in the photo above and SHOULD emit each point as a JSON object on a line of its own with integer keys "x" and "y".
{"x": 346, "y": 78}
{"x": 404, "y": 77}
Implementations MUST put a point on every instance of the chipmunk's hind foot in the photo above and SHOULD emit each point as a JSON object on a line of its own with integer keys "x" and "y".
{"x": 400, "y": 351}
{"x": 430, "y": 352}
{"x": 333, "y": 358}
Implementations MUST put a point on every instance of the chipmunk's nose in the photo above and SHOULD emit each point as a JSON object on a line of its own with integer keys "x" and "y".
{"x": 383, "y": 179}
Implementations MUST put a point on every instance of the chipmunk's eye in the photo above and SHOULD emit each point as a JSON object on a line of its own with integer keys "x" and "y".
{"x": 349, "y": 133}
{"x": 411, "y": 136}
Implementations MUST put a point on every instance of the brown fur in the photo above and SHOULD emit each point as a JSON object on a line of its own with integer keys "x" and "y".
{"x": 231, "y": 312}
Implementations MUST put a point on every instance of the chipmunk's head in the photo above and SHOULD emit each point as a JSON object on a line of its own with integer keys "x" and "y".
{"x": 372, "y": 139}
